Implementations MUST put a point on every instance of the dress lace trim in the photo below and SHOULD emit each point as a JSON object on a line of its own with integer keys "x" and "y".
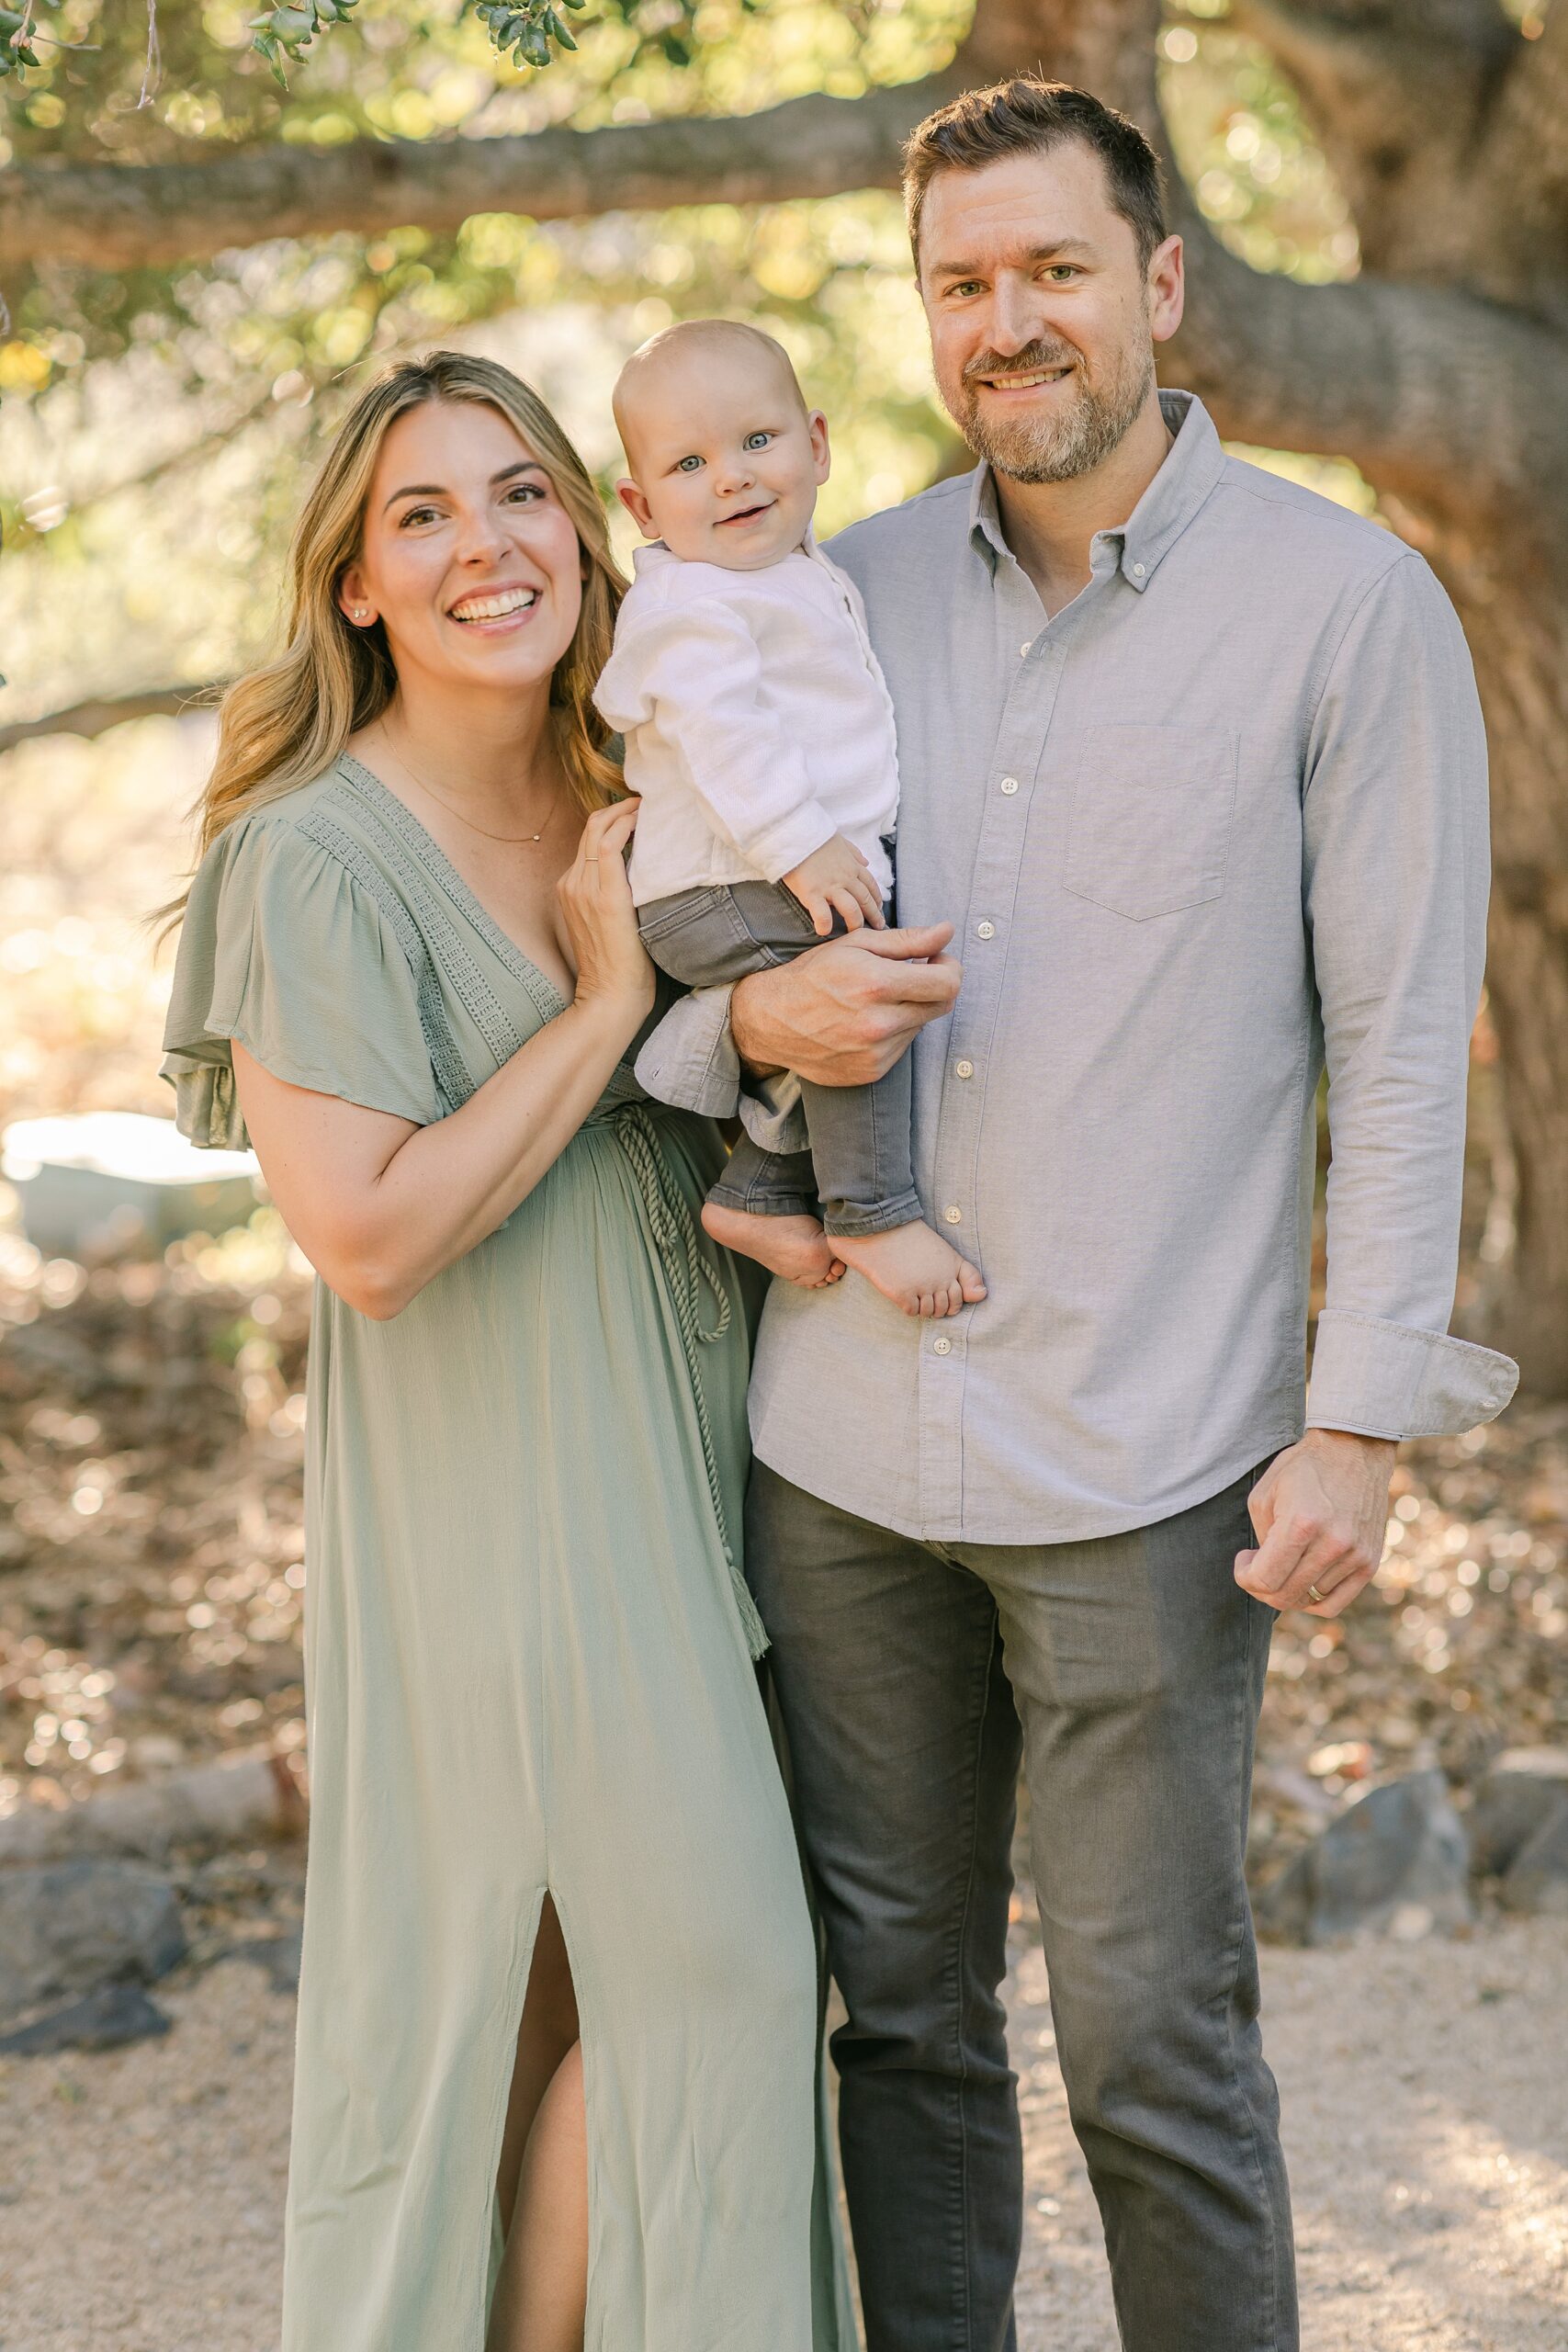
{"x": 452, "y": 1076}
{"x": 418, "y": 853}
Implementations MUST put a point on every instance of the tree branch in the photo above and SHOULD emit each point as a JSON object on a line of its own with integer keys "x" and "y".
{"x": 112, "y": 216}
{"x": 1403, "y": 95}
{"x": 94, "y": 718}
{"x": 1445, "y": 400}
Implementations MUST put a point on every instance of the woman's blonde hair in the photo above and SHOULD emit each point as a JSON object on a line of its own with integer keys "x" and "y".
{"x": 286, "y": 722}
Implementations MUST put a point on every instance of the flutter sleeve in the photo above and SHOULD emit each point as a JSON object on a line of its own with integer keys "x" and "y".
{"x": 282, "y": 951}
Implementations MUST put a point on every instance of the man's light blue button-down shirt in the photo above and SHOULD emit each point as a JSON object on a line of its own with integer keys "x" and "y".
{"x": 1221, "y": 817}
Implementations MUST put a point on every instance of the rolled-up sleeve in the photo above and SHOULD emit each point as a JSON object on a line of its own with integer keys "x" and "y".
{"x": 1395, "y": 885}
{"x": 691, "y": 1060}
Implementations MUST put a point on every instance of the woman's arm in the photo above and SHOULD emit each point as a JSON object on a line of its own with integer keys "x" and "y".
{"x": 379, "y": 1205}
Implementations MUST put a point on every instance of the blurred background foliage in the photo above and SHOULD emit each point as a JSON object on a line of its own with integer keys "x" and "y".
{"x": 156, "y": 430}
{"x": 131, "y": 405}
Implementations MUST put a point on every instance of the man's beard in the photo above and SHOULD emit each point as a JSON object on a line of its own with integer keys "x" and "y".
{"x": 1076, "y": 436}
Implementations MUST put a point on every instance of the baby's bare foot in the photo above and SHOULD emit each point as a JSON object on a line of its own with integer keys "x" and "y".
{"x": 794, "y": 1246}
{"x": 914, "y": 1267}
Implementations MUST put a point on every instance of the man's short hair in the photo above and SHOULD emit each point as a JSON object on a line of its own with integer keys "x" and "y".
{"x": 1029, "y": 116}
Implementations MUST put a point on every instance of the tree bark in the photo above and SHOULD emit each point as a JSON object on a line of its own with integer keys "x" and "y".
{"x": 1516, "y": 621}
{"x": 1440, "y": 373}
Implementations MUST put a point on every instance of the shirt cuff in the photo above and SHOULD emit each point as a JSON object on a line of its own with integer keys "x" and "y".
{"x": 777, "y": 849}
{"x": 691, "y": 1060}
{"x": 1381, "y": 1379}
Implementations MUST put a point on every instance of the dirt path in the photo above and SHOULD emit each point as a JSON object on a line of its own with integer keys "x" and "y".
{"x": 1426, "y": 2096}
{"x": 1425, "y": 2107}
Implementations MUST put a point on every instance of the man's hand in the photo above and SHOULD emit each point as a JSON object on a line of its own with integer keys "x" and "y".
{"x": 837, "y": 880}
{"x": 1320, "y": 1513}
{"x": 842, "y": 1013}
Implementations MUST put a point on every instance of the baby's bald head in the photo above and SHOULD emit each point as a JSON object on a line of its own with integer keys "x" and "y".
{"x": 656, "y": 382}
{"x": 725, "y": 456}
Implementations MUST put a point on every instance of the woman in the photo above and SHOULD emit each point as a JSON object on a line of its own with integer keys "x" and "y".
{"x": 543, "y": 1788}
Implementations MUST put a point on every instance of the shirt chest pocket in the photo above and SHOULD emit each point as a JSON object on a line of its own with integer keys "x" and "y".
{"x": 1149, "y": 825}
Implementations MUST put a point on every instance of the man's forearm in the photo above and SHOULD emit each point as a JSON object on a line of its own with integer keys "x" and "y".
{"x": 743, "y": 1028}
{"x": 842, "y": 1013}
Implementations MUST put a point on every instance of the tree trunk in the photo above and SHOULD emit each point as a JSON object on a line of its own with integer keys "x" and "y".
{"x": 1518, "y": 633}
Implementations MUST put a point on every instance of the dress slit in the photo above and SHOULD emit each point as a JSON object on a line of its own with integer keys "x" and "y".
{"x": 500, "y": 2224}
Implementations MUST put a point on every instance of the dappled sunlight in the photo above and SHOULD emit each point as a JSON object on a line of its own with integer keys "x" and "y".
{"x": 1425, "y": 2130}
{"x": 1427, "y": 2137}
{"x": 93, "y": 837}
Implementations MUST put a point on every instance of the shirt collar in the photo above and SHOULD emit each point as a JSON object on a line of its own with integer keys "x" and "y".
{"x": 650, "y": 556}
{"x": 1192, "y": 466}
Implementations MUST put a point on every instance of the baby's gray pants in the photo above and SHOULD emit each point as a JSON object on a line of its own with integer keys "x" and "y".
{"x": 858, "y": 1168}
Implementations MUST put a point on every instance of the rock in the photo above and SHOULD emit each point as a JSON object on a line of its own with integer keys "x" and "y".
{"x": 107, "y": 2020}
{"x": 69, "y": 1925}
{"x": 1550, "y": 1763}
{"x": 1395, "y": 1862}
{"x": 250, "y": 1794}
{"x": 1511, "y": 1807}
{"x": 1537, "y": 1879}
{"x": 279, "y": 1955}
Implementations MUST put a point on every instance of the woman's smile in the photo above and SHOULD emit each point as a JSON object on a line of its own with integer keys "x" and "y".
{"x": 494, "y": 611}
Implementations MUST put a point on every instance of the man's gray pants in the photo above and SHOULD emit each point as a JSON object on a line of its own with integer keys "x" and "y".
{"x": 1128, "y": 1672}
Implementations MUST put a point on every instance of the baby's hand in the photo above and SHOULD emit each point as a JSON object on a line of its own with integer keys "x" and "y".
{"x": 836, "y": 879}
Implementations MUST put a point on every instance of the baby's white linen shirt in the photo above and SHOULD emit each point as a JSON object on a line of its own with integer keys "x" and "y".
{"x": 756, "y": 721}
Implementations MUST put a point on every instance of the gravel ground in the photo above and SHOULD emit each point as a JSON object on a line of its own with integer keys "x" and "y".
{"x": 1426, "y": 2096}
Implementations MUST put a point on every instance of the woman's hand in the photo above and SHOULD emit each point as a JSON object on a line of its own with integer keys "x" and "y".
{"x": 612, "y": 966}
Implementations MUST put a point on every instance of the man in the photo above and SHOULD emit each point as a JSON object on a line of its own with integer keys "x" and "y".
{"x": 1192, "y": 759}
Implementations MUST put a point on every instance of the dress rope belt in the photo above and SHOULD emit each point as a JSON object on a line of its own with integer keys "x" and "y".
{"x": 689, "y": 1270}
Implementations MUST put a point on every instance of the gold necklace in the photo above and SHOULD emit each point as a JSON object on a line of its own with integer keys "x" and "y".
{"x": 515, "y": 841}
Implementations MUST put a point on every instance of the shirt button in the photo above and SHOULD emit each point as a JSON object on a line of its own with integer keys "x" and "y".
{"x": 1025, "y": 650}
{"x": 964, "y": 1069}
{"x": 953, "y": 1215}
{"x": 942, "y": 1347}
{"x": 1010, "y": 784}
{"x": 985, "y": 931}
{"x": 1138, "y": 572}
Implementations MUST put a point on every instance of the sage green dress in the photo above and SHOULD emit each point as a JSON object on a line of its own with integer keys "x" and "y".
{"x": 528, "y": 1661}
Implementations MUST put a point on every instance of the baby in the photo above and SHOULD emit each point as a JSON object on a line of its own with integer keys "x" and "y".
{"x": 760, "y": 736}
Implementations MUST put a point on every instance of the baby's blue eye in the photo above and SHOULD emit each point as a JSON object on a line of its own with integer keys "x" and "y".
{"x": 756, "y": 440}
{"x": 688, "y": 465}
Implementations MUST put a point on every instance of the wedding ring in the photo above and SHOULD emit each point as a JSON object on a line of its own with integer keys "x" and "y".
{"x": 1313, "y": 1594}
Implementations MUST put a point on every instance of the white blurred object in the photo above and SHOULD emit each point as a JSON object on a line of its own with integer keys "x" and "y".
{"x": 116, "y": 1183}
